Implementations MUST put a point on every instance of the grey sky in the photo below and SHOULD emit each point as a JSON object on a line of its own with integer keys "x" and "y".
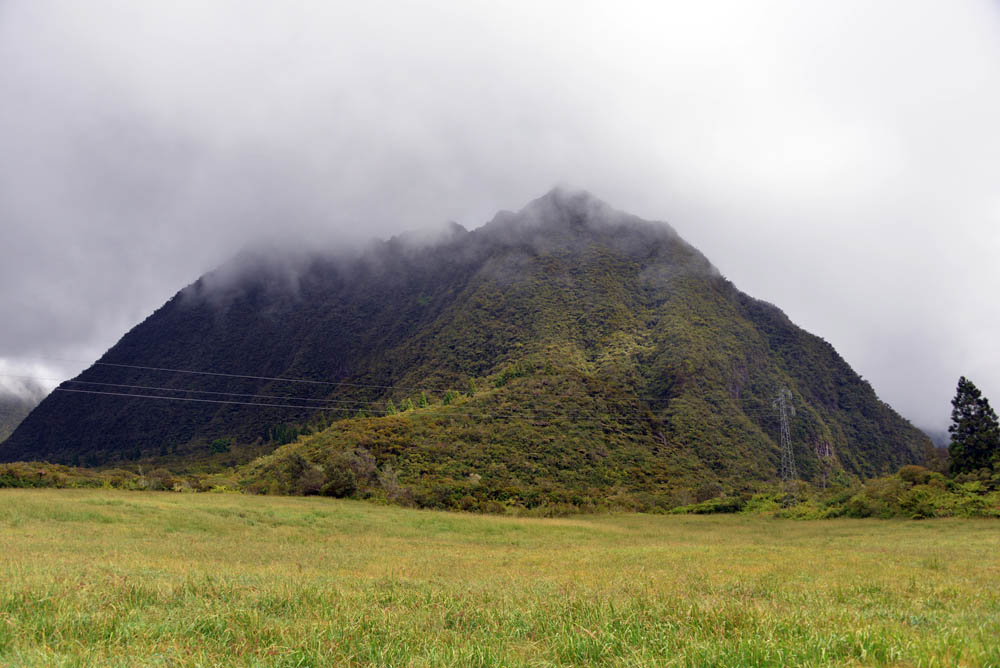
{"x": 839, "y": 159}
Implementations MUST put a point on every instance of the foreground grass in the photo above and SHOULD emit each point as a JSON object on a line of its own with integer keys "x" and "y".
{"x": 109, "y": 578}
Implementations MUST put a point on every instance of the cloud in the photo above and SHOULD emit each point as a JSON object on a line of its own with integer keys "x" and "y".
{"x": 25, "y": 380}
{"x": 836, "y": 159}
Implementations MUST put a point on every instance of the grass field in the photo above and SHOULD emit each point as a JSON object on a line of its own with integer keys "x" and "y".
{"x": 108, "y": 578}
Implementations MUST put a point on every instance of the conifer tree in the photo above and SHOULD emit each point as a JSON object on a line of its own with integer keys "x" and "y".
{"x": 390, "y": 408}
{"x": 975, "y": 431}
{"x": 422, "y": 400}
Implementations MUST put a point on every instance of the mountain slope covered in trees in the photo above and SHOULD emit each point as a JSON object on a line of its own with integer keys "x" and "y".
{"x": 582, "y": 352}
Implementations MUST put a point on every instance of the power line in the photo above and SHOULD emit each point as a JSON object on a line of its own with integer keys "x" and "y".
{"x": 207, "y": 401}
{"x": 308, "y": 381}
{"x": 230, "y": 394}
{"x": 276, "y": 379}
{"x": 630, "y": 409}
{"x": 500, "y": 415}
{"x": 361, "y": 406}
{"x": 366, "y": 407}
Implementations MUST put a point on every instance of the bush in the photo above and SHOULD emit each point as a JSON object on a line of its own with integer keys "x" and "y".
{"x": 492, "y": 507}
{"x": 390, "y": 484}
{"x": 707, "y": 491}
{"x": 160, "y": 479}
{"x": 862, "y": 505}
{"x": 723, "y": 504}
{"x": 762, "y": 503}
{"x": 340, "y": 483}
{"x": 359, "y": 462}
{"x": 915, "y": 475}
{"x": 220, "y": 445}
{"x": 289, "y": 473}
{"x": 918, "y": 503}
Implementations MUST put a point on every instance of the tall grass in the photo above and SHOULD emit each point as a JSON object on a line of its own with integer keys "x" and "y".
{"x": 108, "y": 578}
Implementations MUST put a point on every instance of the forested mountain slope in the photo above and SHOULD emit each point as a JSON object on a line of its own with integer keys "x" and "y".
{"x": 602, "y": 351}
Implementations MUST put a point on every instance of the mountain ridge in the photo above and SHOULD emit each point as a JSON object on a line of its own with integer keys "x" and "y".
{"x": 565, "y": 292}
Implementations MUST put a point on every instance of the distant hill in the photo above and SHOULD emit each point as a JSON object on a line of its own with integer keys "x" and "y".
{"x": 13, "y": 409}
{"x": 940, "y": 437}
{"x": 604, "y": 354}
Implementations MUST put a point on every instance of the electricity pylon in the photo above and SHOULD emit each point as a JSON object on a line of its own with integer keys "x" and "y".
{"x": 785, "y": 408}
{"x": 824, "y": 452}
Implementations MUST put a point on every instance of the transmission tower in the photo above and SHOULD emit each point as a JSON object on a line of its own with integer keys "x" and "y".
{"x": 785, "y": 408}
{"x": 824, "y": 451}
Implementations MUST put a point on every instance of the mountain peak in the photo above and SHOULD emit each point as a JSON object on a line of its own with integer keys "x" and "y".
{"x": 564, "y": 209}
{"x": 566, "y": 196}
{"x": 565, "y": 204}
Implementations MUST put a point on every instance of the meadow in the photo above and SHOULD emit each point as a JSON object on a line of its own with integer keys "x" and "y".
{"x": 94, "y": 577}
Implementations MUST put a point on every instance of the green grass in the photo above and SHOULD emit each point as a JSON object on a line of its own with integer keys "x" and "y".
{"x": 112, "y": 578}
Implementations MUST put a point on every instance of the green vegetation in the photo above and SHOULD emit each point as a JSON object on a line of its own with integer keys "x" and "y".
{"x": 43, "y": 474}
{"x": 569, "y": 356}
{"x": 914, "y": 492}
{"x": 975, "y": 432}
{"x": 95, "y": 577}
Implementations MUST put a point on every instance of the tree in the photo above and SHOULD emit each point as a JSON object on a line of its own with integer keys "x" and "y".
{"x": 340, "y": 482}
{"x": 975, "y": 431}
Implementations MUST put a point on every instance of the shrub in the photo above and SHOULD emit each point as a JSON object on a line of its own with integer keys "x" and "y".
{"x": 220, "y": 445}
{"x": 492, "y": 507}
{"x": 862, "y": 505}
{"x": 915, "y": 475}
{"x": 918, "y": 503}
{"x": 724, "y": 504}
{"x": 706, "y": 491}
{"x": 762, "y": 503}
{"x": 160, "y": 479}
{"x": 359, "y": 462}
{"x": 340, "y": 482}
{"x": 289, "y": 473}
{"x": 390, "y": 484}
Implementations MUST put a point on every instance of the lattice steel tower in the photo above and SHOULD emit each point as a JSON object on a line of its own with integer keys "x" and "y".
{"x": 824, "y": 452}
{"x": 785, "y": 409}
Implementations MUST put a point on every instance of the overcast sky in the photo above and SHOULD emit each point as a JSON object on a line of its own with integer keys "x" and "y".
{"x": 839, "y": 159}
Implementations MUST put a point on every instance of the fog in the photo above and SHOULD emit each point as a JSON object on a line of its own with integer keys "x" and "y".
{"x": 836, "y": 159}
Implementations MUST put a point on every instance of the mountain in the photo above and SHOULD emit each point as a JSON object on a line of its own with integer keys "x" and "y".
{"x": 18, "y": 395}
{"x": 581, "y": 348}
{"x": 13, "y": 409}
